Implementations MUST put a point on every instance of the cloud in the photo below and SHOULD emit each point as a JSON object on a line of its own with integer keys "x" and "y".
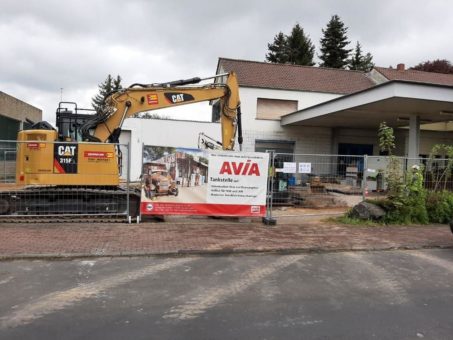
{"x": 49, "y": 44}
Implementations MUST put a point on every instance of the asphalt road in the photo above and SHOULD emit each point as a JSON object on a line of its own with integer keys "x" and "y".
{"x": 350, "y": 295}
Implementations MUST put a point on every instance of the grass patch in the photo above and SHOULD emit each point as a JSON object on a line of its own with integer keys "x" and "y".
{"x": 346, "y": 220}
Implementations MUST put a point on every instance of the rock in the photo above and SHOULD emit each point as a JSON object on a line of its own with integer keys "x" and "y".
{"x": 321, "y": 201}
{"x": 367, "y": 211}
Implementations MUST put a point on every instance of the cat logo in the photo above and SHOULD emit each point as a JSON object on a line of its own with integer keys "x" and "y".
{"x": 176, "y": 98}
{"x": 66, "y": 150}
{"x": 65, "y": 158}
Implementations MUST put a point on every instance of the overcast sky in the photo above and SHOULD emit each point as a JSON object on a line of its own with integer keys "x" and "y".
{"x": 47, "y": 45}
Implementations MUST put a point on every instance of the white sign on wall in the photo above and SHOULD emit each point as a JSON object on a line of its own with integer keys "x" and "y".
{"x": 289, "y": 167}
{"x": 304, "y": 168}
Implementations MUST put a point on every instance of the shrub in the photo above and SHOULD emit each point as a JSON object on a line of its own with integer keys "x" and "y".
{"x": 407, "y": 204}
{"x": 440, "y": 206}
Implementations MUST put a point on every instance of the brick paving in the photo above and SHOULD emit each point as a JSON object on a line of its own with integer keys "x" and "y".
{"x": 210, "y": 236}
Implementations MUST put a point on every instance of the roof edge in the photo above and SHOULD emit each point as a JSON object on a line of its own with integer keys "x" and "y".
{"x": 286, "y": 65}
{"x": 389, "y": 83}
{"x": 292, "y": 90}
{"x": 20, "y": 100}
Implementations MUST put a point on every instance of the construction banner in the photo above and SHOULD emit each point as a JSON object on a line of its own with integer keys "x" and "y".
{"x": 181, "y": 181}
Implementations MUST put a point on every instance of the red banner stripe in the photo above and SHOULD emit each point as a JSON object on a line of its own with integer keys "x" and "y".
{"x": 168, "y": 208}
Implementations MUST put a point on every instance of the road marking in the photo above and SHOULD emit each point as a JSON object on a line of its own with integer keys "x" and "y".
{"x": 287, "y": 322}
{"x": 210, "y": 298}
{"x": 59, "y": 300}
{"x": 386, "y": 282}
{"x": 9, "y": 278}
{"x": 231, "y": 244}
{"x": 448, "y": 265}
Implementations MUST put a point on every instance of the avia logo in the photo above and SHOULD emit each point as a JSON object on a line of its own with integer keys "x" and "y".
{"x": 67, "y": 150}
{"x": 176, "y": 98}
{"x": 245, "y": 169}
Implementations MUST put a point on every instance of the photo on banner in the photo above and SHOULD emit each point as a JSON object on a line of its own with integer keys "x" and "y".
{"x": 184, "y": 181}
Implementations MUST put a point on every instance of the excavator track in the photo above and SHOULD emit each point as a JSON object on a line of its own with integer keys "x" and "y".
{"x": 69, "y": 204}
{"x": 24, "y": 219}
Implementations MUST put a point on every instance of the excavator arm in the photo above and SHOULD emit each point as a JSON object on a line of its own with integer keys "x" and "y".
{"x": 142, "y": 98}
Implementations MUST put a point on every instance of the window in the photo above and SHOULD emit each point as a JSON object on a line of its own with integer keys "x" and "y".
{"x": 274, "y": 108}
{"x": 8, "y": 128}
{"x": 283, "y": 152}
{"x": 278, "y": 146}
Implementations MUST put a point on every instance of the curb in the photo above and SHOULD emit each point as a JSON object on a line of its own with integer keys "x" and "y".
{"x": 219, "y": 252}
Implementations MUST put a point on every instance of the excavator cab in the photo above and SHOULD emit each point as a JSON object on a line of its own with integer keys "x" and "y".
{"x": 70, "y": 119}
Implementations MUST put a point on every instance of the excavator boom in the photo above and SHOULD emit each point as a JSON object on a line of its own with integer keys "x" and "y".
{"x": 143, "y": 98}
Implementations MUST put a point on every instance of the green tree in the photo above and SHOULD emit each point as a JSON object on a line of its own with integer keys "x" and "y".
{"x": 394, "y": 172}
{"x": 105, "y": 89}
{"x": 359, "y": 61}
{"x": 295, "y": 48}
{"x": 386, "y": 138}
{"x": 278, "y": 50}
{"x": 333, "y": 44}
{"x": 406, "y": 196}
{"x": 300, "y": 48}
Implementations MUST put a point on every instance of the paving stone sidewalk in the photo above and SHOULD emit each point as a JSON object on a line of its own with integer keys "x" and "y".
{"x": 209, "y": 236}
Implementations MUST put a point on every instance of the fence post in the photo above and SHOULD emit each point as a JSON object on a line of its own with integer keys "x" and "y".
{"x": 4, "y": 166}
{"x": 142, "y": 180}
{"x": 128, "y": 179}
{"x": 364, "y": 176}
{"x": 142, "y": 160}
{"x": 268, "y": 219}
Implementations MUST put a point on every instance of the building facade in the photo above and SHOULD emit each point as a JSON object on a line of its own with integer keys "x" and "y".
{"x": 312, "y": 110}
{"x": 15, "y": 115}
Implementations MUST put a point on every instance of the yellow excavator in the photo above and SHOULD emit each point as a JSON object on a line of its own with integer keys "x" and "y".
{"x": 75, "y": 169}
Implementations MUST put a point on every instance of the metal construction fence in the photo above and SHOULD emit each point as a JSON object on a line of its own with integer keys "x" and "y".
{"x": 316, "y": 180}
{"x": 313, "y": 180}
{"x": 65, "y": 179}
{"x": 69, "y": 178}
{"x": 437, "y": 172}
{"x": 8, "y": 163}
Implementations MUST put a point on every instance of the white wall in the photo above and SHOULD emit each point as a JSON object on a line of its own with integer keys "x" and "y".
{"x": 125, "y": 139}
{"x": 308, "y": 140}
{"x": 249, "y": 97}
{"x": 175, "y": 133}
{"x": 430, "y": 138}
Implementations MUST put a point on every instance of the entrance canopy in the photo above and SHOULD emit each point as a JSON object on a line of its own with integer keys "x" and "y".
{"x": 395, "y": 102}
